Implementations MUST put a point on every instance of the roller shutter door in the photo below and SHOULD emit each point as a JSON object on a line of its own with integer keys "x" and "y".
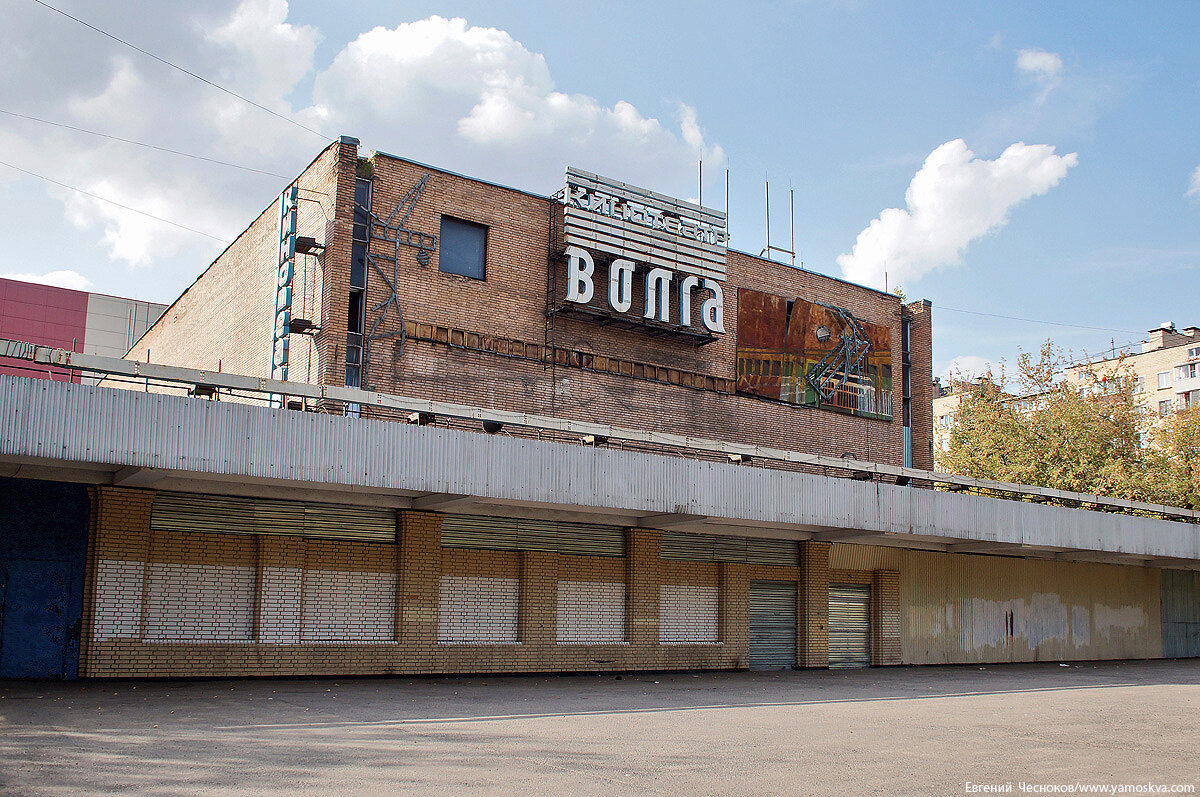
{"x": 849, "y": 626}
{"x": 772, "y": 625}
{"x": 235, "y": 515}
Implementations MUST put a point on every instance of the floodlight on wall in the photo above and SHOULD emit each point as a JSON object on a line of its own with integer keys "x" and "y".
{"x": 594, "y": 440}
{"x": 420, "y": 418}
{"x": 307, "y": 245}
{"x": 202, "y": 391}
{"x": 823, "y": 333}
{"x": 741, "y": 459}
{"x": 491, "y": 427}
{"x": 295, "y": 404}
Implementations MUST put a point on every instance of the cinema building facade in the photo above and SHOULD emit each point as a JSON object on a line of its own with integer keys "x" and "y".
{"x": 491, "y": 431}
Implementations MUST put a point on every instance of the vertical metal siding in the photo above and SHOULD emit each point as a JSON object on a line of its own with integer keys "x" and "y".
{"x": 1180, "y": 613}
{"x": 772, "y": 625}
{"x": 849, "y": 625}
{"x": 956, "y": 608}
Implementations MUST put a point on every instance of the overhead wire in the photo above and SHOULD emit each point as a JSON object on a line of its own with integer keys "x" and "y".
{"x": 114, "y": 202}
{"x": 142, "y": 144}
{"x": 1037, "y": 320}
{"x": 188, "y": 72}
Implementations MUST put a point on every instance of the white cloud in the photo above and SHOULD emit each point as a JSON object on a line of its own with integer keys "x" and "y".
{"x": 1043, "y": 67}
{"x": 952, "y": 200}
{"x": 1194, "y": 187}
{"x": 471, "y": 99}
{"x": 476, "y": 100}
{"x": 967, "y": 366}
{"x": 61, "y": 279}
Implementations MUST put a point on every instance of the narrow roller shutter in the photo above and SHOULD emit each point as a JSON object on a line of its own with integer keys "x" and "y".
{"x": 524, "y": 534}
{"x": 772, "y": 625}
{"x": 688, "y": 547}
{"x": 232, "y": 515}
{"x": 849, "y": 625}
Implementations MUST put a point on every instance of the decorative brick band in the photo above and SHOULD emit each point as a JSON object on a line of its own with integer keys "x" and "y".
{"x": 570, "y": 358}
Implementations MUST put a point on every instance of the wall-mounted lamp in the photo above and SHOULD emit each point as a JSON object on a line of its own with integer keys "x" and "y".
{"x": 741, "y": 459}
{"x": 593, "y": 440}
{"x": 307, "y": 245}
{"x": 302, "y": 326}
{"x": 823, "y": 333}
{"x": 491, "y": 427}
{"x": 420, "y": 418}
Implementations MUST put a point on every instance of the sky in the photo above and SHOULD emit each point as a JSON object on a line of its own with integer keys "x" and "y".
{"x": 1032, "y": 169}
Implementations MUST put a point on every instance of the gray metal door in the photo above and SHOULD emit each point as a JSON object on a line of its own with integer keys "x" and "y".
{"x": 772, "y": 625}
{"x": 849, "y": 625}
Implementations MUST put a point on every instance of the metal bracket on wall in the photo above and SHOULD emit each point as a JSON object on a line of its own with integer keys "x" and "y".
{"x": 829, "y": 375}
{"x": 397, "y": 234}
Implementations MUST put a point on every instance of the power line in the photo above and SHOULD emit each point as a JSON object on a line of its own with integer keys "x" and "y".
{"x": 142, "y": 144}
{"x": 161, "y": 60}
{"x": 112, "y": 202}
{"x": 1037, "y": 320}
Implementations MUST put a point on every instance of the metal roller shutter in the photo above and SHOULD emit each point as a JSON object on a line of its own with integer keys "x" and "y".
{"x": 687, "y": 547}
{"x": 230, "y": 515}
{"x": 772, "y": 625}
{"x": 524, "y": 534}
{"x": 849, "y": 625}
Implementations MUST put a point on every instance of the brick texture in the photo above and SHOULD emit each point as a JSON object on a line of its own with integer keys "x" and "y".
{"x": 181, "y": 604}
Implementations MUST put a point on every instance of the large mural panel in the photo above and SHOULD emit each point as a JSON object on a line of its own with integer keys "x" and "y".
{"x": 812, "y": 354}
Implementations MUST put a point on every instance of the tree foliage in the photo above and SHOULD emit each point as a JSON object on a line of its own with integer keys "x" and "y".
{"x": 1082, "y": 435}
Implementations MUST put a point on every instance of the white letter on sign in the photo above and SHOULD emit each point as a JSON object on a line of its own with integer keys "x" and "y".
{"x": 658, "y": 294}
{"x": 579, "y": 275}
{"x": 712, "y": 312}
{"x": 620, "y": 285}
{"x": 689, "y": 284}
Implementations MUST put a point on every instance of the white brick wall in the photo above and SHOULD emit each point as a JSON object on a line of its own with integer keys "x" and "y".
{"x": 199, "y": 603}
{"x": 591, "y": 612}
{"x": 353, "y": 607}
{"x": 118, "y": 599}
{"x": 475, "y": 609}
{"x": 687, "y": 614}
{"x": 280, "y": 605}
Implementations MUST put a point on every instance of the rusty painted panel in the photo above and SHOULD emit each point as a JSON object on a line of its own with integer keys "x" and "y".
{"x": 782, "y": 343}
{"x": 960, "y": 608}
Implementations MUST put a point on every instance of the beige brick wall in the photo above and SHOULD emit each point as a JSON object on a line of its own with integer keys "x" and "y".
{"x": 176, "y": 604}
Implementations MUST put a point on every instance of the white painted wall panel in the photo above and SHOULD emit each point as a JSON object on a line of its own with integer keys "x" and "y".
{"x": 349, "y": 607}
{"x": 280, "y": 609}
{"x": 479, "y": 610}
{"x": 687, "y": 614}
{"x": 199, "y": 603}
{"x": 118, "y": 606}
{"x": 591, "y": 612}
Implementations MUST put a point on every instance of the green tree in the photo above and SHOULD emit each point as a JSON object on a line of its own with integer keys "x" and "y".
{"x": 1080, "y": 434}
{"x": 1175, "y": 460}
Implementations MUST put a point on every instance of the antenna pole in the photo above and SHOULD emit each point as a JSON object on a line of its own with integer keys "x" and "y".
{"x": 700, "y": 192}
{"x": 792, "y": 220}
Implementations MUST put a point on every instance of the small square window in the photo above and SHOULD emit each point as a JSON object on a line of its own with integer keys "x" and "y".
{"x": 463, "y": 248}
{"x": 1164, "y": 380}
{"x": 1164, "y": 408}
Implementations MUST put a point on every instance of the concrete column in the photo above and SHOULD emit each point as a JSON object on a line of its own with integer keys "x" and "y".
{"x": 812, "y": 606}
{"x": 885, "y": 617}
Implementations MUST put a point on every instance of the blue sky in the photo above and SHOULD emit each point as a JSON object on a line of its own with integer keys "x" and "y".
{"x": 1067, "y": 199}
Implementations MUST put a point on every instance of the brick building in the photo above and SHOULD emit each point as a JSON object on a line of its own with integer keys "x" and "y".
{"x": 326, "y": 535}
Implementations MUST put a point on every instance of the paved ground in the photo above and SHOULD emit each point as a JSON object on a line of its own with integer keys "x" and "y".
{"x": 894, "y": 731}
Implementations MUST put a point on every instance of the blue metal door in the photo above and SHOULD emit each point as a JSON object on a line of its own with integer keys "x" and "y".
{"x": 33, "y": 639}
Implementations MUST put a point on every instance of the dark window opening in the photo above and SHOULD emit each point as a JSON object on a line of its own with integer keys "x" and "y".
{"x": 354, "y": 317}
{"x": 463, "y": 248}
